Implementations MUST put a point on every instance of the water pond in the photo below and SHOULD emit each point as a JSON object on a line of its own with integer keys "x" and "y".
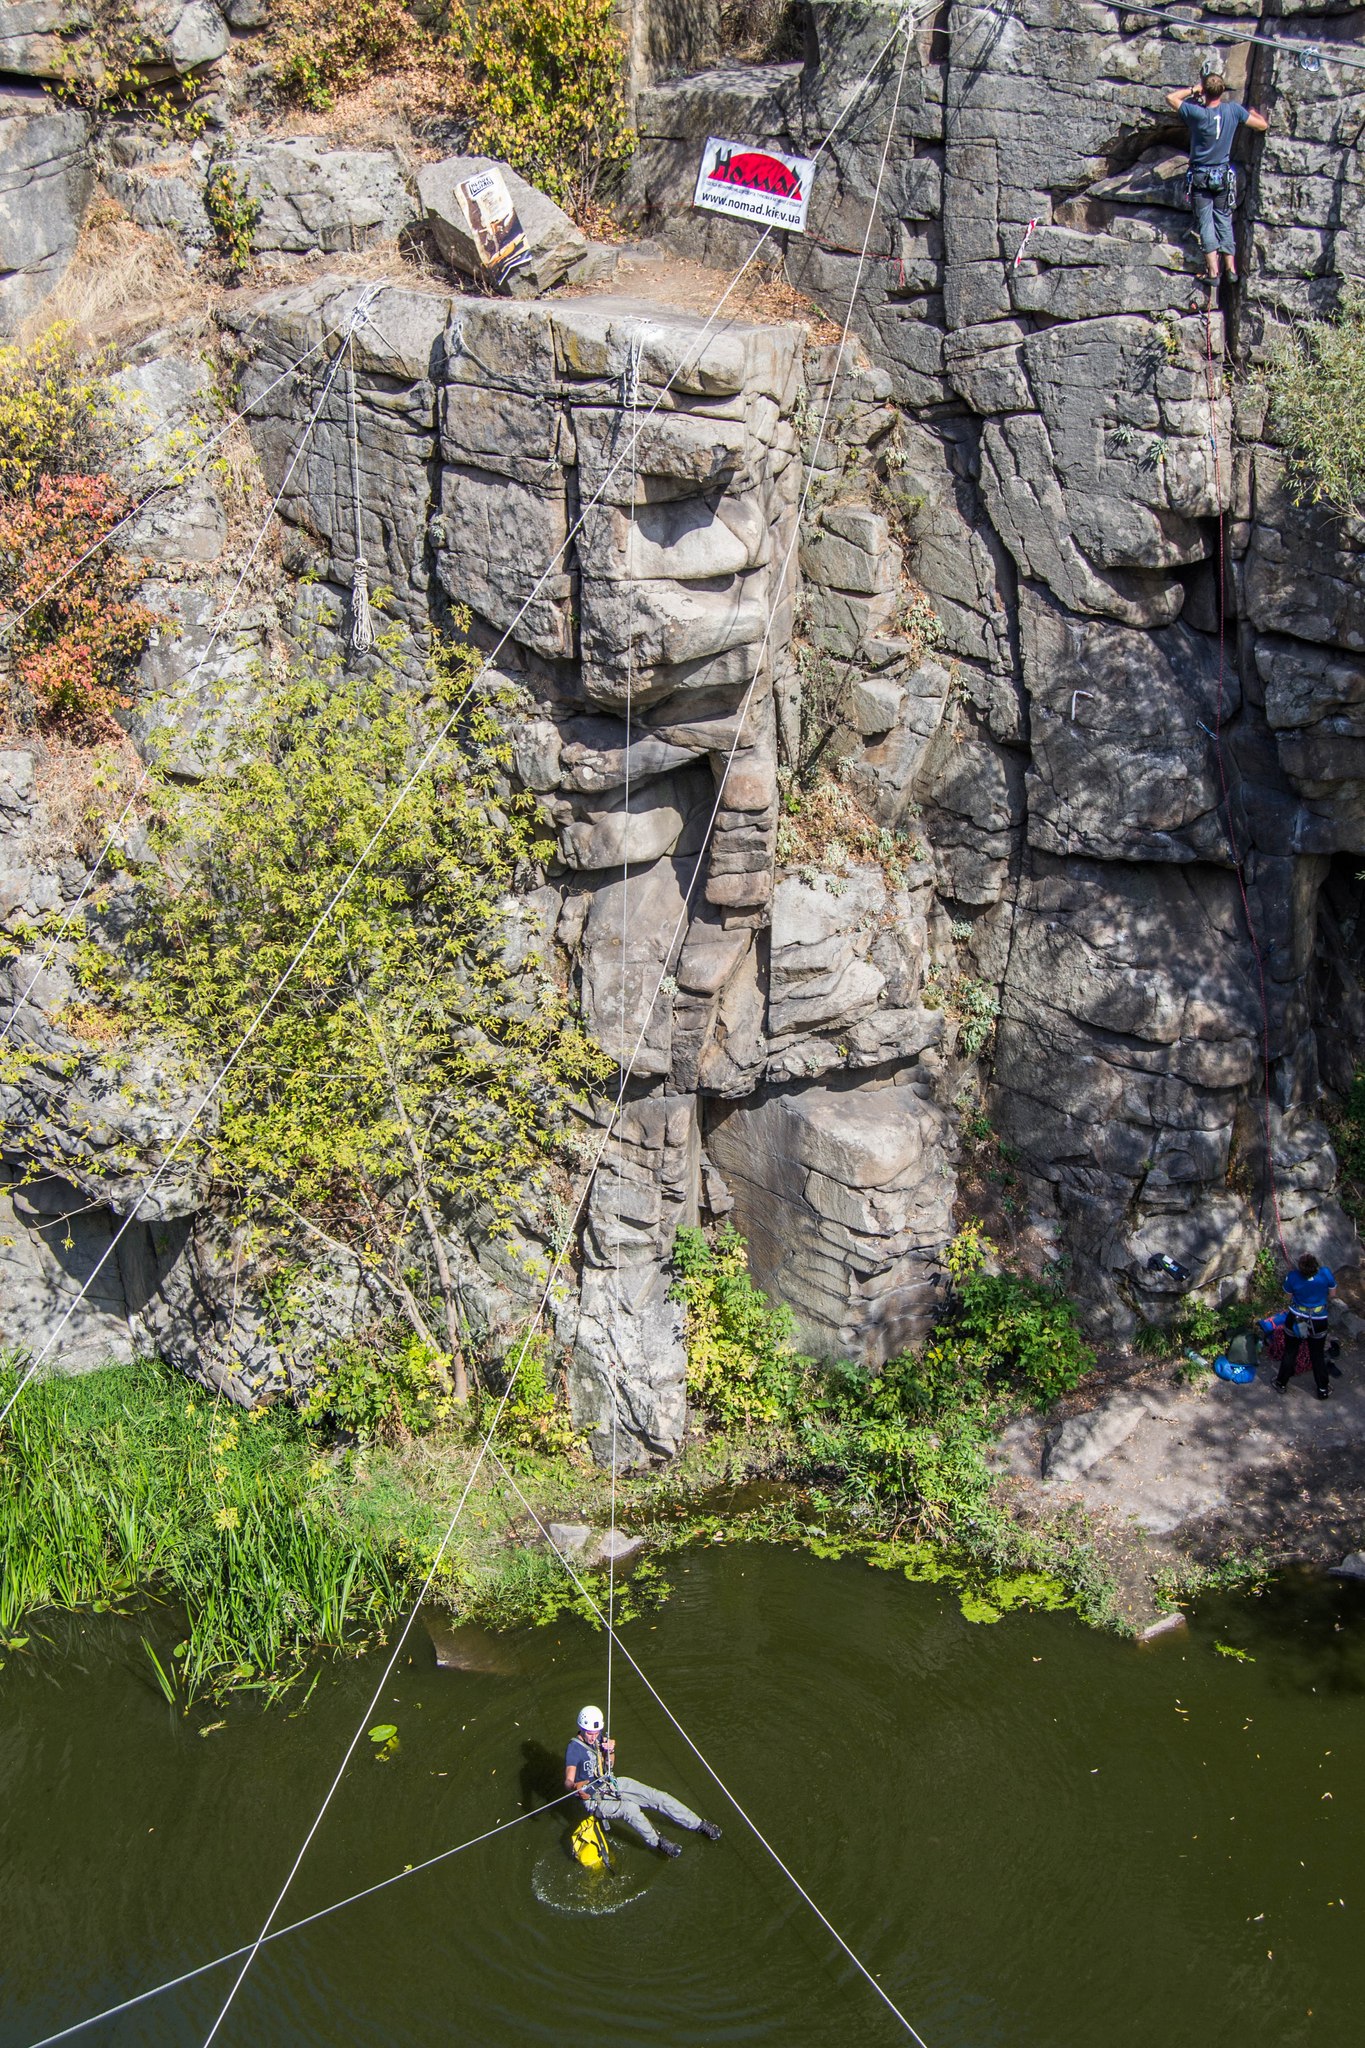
{"x": 1036, "y": 1836}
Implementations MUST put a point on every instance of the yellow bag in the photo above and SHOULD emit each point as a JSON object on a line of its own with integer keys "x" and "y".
{"x": 590, "y": 1844}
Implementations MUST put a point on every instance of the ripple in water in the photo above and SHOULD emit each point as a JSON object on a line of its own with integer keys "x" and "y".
{"x": 561, "y": 1882}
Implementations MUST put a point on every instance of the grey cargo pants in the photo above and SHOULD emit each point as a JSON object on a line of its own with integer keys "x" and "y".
{"x": 628, "y": 1802}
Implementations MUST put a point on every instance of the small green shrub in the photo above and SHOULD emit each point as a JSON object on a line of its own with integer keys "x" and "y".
{"x": 1348, "y": 1135}
{"x": 1010, "y": 1331}
{"x": 1317, "y": 390}
{"x": 317, "y": 52}
{"x": 382, "y": 1393}
{"x": 233, "y": 215}
{"x": 532, "y": 1425}
{"x": 56, "y": 417}
{"x": 547, "y": 83}
{"x": 972, "y": 1004}
{"x": 741, "y": 1362}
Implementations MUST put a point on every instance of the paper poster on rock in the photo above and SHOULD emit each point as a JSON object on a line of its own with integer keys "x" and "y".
{"x": 759, "y": 185}
{"x": 487, "y": 205}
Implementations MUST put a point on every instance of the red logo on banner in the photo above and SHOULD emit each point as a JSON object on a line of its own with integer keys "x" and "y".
{"x": 756, "y": 171}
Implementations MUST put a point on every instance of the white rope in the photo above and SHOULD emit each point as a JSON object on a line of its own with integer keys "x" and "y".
{"x": 296, "y": 1926}
{"x": 362, "y": 626}
{"x": 709, "y": 1767}
{"x": 185, "y": 686}
{"x": 1224, "y": 32}
{"x": 630, "y": 397}
{"x": 419, "y": 770}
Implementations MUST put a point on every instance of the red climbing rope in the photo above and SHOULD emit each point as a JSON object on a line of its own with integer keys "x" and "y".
{"x": 1226, "y": 794}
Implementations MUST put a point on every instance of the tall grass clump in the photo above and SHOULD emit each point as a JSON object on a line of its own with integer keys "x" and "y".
{"x": 124, "y": 1479}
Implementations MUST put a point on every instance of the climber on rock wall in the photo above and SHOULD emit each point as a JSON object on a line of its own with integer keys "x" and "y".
{"x": 1213, "y": 122}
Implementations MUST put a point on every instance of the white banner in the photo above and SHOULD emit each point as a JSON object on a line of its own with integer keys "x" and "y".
{"x": 760, "y": 185}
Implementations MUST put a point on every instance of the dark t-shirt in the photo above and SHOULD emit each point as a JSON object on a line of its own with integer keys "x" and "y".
{"x": 586, "y": 1761}
{"x": 1212, "y": 131}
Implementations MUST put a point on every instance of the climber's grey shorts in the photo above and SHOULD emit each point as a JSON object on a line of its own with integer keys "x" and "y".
{"x": 1213, "y": 218}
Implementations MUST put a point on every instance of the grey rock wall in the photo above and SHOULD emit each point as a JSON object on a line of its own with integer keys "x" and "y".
{"x": 1070, "y": 447}
{"x": 1042, "y": 469}
{"x": 45, "y": 183}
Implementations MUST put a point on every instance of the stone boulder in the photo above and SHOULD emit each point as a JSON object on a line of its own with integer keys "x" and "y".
{"x": 553, "y": 243}
{"x": 52, "y": 1242}
{"x": 311, "y": 197}
{"x": 48, "y": 39}
{"x": 45, "y": 184}
{"x": 842, "y": 1194}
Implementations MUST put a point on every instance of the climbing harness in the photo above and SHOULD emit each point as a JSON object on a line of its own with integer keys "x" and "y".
{"x": 590, "y": 1845}
{"x": 362, "y": 626}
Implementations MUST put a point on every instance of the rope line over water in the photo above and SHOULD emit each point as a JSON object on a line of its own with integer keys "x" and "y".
{"x": 112, "y": 2012}
{"x": 710, "y": 1768}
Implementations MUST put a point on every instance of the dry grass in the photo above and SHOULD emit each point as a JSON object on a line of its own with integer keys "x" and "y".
{"x": 124, "y": 282}
{"x": 695, "y": 287}
{"x": 78, "y": 792}
{"x": 759, "y": 31}
{"x": 405, "y": 111}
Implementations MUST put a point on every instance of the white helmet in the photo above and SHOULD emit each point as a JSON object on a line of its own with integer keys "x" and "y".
{"x": 590, "y": 1721}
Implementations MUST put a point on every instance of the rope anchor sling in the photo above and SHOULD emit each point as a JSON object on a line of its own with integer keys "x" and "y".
{"x": 362, "y": 624}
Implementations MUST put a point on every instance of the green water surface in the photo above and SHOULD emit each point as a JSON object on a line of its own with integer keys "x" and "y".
{"x": 1036, "y": 1836}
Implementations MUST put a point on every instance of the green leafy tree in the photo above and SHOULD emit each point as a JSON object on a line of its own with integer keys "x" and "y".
{"x": 1317, "y": 385}
{"x": 420, "y": 1062}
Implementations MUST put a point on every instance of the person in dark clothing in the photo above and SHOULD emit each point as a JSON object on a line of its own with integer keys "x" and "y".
{"x": 1310, "y": 1287}
{"x": 1213, "y": 121}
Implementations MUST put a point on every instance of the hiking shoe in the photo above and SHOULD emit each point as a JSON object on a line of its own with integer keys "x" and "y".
{"x": 710, "y": 1830}
{"x": 668, "y": 1848}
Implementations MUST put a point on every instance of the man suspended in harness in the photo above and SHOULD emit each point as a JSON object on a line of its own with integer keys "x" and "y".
{"x": 590, "y": 1771}
{"x": 1213, "y": 122}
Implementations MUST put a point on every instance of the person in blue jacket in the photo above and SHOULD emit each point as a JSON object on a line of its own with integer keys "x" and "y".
{"x": 1213, "y": 121}
{"x": 1310, "y": 1287}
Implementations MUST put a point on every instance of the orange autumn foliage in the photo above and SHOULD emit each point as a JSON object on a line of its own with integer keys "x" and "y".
{"x": 74, "y": 651}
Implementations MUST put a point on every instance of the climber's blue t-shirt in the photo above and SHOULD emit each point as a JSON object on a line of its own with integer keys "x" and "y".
{"x": 1212, "y": 131}
{"x": 1310, "y": 1296}
{"x": 586, "y": 1761}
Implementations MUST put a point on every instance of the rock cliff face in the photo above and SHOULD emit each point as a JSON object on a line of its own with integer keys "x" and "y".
{"x": 1062, "y": 795}
{"x": 1080, "y": 457}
